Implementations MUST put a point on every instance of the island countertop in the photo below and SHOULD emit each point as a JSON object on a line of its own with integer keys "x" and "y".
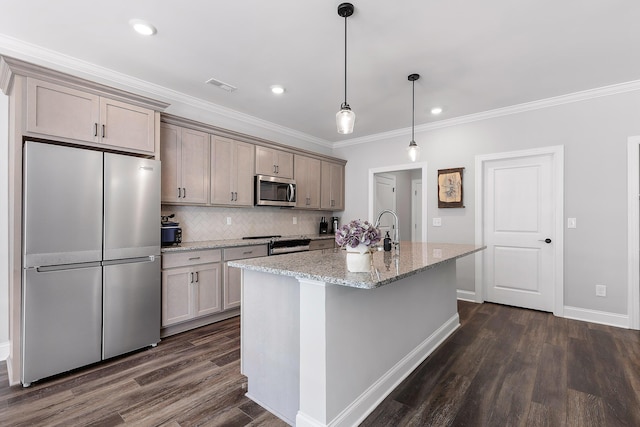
{"x": 330, "y": 266}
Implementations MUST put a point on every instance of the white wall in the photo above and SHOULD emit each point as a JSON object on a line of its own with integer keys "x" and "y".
{"x": 594, "y": 133}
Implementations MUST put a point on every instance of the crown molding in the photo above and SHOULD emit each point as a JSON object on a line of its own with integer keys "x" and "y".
{"x": 48, "y": 58}
{"x": 499, "y": 112}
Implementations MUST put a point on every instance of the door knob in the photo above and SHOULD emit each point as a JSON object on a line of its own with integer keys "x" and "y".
{"x": 547, "y": 240}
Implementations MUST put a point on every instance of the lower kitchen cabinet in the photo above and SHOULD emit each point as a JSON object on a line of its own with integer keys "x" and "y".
{"x": 233, "y": 276}
{"x": 191, "y": 285}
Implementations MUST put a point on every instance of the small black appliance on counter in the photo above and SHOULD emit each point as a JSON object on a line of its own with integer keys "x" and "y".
{"x": 324, "y": 226}
{"x": 171, "y": 231}
{"x": 335, "y": 224}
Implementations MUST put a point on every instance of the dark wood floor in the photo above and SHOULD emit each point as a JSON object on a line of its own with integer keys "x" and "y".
{"x": 504, "y": 367}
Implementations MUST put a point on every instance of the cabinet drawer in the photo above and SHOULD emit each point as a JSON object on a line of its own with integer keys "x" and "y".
{"x": 184, "y": 259}
{"x": 315, "y": 245}
{"x": 243, "y": 252}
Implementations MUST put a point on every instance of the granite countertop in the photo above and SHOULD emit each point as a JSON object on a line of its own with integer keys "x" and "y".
{"x": 329, "y": 265}
{"x": 230, "y": 243}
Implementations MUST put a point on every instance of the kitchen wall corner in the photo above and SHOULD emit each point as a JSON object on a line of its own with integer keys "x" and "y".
{"x": 203, "y": 223}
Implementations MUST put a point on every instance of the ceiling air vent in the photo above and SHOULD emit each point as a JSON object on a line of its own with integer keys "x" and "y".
{"x": 221, "y": 85}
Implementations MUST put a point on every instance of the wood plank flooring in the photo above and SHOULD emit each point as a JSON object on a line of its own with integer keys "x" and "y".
{"x": 504, "y": 367}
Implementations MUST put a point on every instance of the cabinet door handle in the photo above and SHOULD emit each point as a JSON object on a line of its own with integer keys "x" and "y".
{"x": 178, "y": 192}
{"x": 277, "y": 168}
{"x": 184, "y": 193}
{"x": 274, "y": 168}
{"x": 190, "y": 277}
{"x": 194, "y": 258}
{"x": 103, "y": 131}
{"x": 247, "y": 253}
{"x": 236, "y": 193}
{"x": 196, "y": 277}
{"x": 95, "y": 129}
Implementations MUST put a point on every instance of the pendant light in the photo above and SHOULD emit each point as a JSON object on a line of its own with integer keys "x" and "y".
{"x": 413, "y": 150}
{"x": 345, "y": 118}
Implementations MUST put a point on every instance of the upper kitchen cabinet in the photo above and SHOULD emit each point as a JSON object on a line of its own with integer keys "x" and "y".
{"x": 231, "y": 172}
{"x": 185, "y": 165}
{"x": 332, "y": 187}
{"x": 307, "y": 176}
{"x": 272, "y": 162}
{"x": 66, "y": 112}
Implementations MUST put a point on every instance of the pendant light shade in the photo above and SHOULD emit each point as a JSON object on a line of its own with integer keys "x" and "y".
{"x": 413, "y": 150}
{"x": 345, "y": 118}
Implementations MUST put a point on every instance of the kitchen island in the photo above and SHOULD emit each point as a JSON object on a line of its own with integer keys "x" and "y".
{"x": 322, "y": 346}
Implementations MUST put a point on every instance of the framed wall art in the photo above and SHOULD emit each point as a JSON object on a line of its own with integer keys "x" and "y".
{"x": 450, "y": 188}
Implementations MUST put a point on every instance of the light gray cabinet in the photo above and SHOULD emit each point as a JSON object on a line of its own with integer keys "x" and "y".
{"x": 185, "y": 165}
{"x": 191, "y": 285}
{"x": 319, "y": 244}
{"x": 307, "y": 176}
{"x": 233, "y": 276}
{"x": 232, "y": 165}
{"x": 272, "y": 162}
{"x": 332, "y": 178}
{"x": 61, "y": 111}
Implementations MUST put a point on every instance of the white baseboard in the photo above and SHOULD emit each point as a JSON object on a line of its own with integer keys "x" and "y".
{"x": 469, "y": 296}
{"x": 5, "y": 348}
{"x": 369, "y": 400}
{"x": 595, "y": 316}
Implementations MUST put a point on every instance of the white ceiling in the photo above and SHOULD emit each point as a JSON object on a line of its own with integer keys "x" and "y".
{"x": 472, "y": 56}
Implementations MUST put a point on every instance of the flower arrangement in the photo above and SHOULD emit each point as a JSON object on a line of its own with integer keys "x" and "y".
{"x": 358, "y": 234}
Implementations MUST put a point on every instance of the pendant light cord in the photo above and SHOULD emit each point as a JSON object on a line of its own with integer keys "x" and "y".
{"x": 413, "y": 109}
{"x": 345, "y": 60}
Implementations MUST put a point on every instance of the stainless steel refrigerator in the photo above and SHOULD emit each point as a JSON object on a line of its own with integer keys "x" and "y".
{"x": 91, "y": 262}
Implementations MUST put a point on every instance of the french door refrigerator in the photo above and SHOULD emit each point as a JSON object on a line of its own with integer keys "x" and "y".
{"x": 91, "y": 265}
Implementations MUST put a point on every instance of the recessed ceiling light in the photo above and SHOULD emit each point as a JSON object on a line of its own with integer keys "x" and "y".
{"x": 143, "y": 27}
{"x": 436, "y": 110}
{"x": 277, "y": 89}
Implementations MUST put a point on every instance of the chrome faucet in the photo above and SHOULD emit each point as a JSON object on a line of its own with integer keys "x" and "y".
{"x": 396, "y": 234}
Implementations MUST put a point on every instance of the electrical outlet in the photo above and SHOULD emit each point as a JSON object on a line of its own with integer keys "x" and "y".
{"x": 571, "y": 223}
{"x": 228, "y": 220}
{"x": 601, "y": 290}
{"x": 295, "y": 220}
{"x": 437, "y": 222}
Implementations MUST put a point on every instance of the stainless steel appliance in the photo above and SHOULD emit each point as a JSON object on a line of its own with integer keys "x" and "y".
{"x": 91, "y": 264}
{"x": 171, "y": 233}
{"x": 335, "y": 224}
{"x": 287, "y": 246}
{"x": 274, "y": 191}
{"x": 278, "y": 246}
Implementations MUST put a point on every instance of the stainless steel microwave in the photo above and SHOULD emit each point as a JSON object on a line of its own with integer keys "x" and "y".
{"x": 275, "y": 191}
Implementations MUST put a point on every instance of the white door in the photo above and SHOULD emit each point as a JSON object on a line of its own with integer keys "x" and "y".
{"x": 385, "y": 198}
{"x": 519, "y": 224}
{"x": 416, "y": 210}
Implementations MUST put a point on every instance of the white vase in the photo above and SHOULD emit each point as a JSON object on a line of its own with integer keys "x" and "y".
{"x": 359, "y": 259}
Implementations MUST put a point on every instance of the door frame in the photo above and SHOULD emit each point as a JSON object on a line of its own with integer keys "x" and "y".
{"x": 414, "y": 205}
{"x": 633, "y": 231}
{"x": 557, "y": 179}
{"x": 406, "y": 166}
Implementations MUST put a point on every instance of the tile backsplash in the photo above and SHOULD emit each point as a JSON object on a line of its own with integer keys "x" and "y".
{"x": 201, "y": 223}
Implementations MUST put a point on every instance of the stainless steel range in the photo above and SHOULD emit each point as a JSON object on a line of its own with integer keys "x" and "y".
{"x": 278, "y": 246}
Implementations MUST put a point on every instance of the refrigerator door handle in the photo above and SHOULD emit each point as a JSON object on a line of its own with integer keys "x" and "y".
{"x": 150, "y": 258}
{"x": 48, "y": 268}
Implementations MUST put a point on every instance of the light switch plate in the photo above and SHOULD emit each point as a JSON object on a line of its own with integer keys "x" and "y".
{"x": 295, "y": 220}
{"x": 228, "y": 220}
{"x": 437, "y": 222}
{"x": 571, "y": 223}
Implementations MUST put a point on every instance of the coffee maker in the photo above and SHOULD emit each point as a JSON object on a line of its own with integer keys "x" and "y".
{"x": 335, "y": 224}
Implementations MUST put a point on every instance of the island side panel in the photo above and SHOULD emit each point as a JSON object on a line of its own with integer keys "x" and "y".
{"x": 359, "y": 344}
{"x": 271, "y": 341}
